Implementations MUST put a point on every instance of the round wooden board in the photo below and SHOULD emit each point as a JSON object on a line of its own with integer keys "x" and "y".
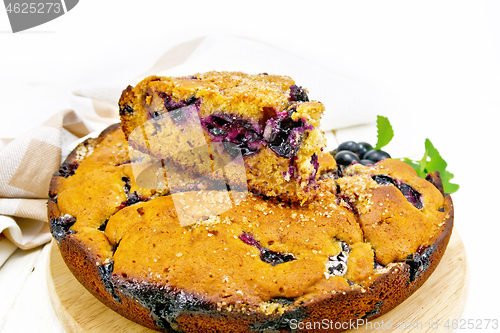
{"x": 441, "y": 298}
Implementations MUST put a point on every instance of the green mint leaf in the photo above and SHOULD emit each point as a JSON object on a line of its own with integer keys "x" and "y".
{"x": 416, "y": 165}
{"x": 422, "y": 165}
{"x": 385, "y": 132}
{"x": 436, "y": 162}
{"x": 449, "y": 187}
{"x": 432, "y": 161}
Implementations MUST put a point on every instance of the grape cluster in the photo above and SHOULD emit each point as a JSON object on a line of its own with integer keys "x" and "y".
{"x": 350, "y": 152}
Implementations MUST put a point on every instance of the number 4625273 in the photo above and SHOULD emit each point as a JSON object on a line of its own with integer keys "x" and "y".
{"x": 476, "y": 324}
{"x": 34, "y": 8}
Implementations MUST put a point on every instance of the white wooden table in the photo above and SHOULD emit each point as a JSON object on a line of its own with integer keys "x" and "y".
{"x": 25, "y": 305}
{"x": 436, "y": 58}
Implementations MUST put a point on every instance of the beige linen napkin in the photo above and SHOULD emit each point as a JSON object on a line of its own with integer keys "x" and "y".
{"x": 28, "y": 162}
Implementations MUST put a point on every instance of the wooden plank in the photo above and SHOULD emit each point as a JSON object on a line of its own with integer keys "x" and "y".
{"x": 25, "y": 304}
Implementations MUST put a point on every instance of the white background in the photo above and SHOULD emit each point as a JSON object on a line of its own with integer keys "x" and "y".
{"x": 438, "y": 60}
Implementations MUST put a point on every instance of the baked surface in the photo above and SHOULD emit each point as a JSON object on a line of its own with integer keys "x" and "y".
{"x": 367, "y": 240}
{"x": 267, "y": 120}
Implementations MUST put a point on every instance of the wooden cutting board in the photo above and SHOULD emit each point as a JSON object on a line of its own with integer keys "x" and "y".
{"x": 441, "y": 298}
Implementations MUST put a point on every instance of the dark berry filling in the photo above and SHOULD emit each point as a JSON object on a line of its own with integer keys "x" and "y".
{"x": 419, "y": 261}
{"x": 103, "y": 225}
{"x": 376, "y": 264}
{"x": 337, "y": 265}
{"x": 59, "y": 227}
{"x": 124, "y": 162}
{"x": 165, "y": 303}
{"x": 284, "y": 135}
{"x": 411, "y": 195}
{"x": 125, "y": 110}
{"x": 176, "y": 110}
{"x": 217, "y": 131}
{"x": 239, "y": 136}
{"x": 177, "y": 115}
{"x": 282, "y": 300}
{"x": 236, "y": 134}
{"x": 291, "y": 170}
{"x": 67, "y": 169}
{"x": 170, "y": 104}
{"x": 105, "y": 272}
{"x": 314, "y": 161}
{"x": 298, "y": 94}
{"x": 347, "y": 203}
{"x": 280, "y": 323}
{"x": 315, "y": 164}
{"x": 268, "y": 256}
{"x": 435, "y": 179}
{"x": 132, "y": 198}
{"x": 53, "y": 198}
{"x": 156, "y": 115}
{"x": 275, "y": 258}
{"x": 374, "y": 311}
{"x": 384, "y": 180}
{"x": 127, "y": 185}
{"x": 409, "y": 192}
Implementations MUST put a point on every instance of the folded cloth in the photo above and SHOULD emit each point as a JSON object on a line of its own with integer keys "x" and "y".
{"x": 28, "y": 162}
